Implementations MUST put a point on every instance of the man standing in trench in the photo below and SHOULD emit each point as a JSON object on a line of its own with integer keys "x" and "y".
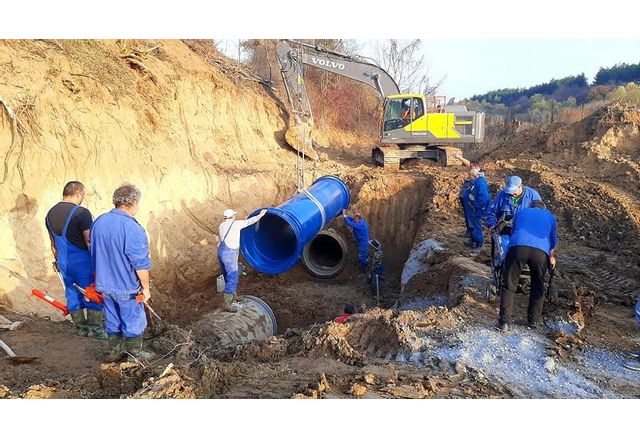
{"x": 478, "y": 199}
{"x": 68, "y": 225}
{"x": 228, "y": 251}
{"x": 120, "y": 252}
{"x": 361, "y": 234}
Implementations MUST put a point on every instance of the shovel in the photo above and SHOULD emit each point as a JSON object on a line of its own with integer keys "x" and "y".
{"x": 13, "y": 357}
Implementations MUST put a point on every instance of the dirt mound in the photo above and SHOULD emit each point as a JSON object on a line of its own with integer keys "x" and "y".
{"x": 376, "y": 334}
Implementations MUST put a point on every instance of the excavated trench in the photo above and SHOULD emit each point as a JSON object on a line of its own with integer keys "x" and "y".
{"x": 394, "y": 207}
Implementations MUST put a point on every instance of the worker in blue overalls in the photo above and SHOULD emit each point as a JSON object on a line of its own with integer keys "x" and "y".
{"x": 361, "y": 234}
{"x": 68, "y": 225}
{"x": 478, "y": 200}
{"x": 120, "y": 253}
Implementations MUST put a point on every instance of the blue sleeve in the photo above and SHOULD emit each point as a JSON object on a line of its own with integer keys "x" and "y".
{"x": 554, "y": 234}
{"x": 349, "y": 221}
{"x": 535, "y": 195}
{"x": 481, "y": 195}
{"x": 136, "y": 248}
{"x": 492, "y": 220}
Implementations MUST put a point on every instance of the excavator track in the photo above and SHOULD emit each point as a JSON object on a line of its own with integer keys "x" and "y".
{"x": 449, "y": 156}
{"x": 391, "y": 156}
{"x": 387, "y": 157}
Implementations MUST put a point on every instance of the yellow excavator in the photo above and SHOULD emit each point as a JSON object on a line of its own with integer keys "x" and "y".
{"x": 413, "y": 125}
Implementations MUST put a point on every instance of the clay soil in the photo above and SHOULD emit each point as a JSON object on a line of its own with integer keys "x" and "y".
{"x": 430, "y": 337}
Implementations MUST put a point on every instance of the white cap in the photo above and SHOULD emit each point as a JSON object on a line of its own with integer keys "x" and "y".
{"x": 229, "y": 213}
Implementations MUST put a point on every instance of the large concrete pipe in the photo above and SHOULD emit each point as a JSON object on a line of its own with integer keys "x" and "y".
{"x": 254, "y": 321}
{"x": 276, "y": 242}
{"x": 324, "y": 255}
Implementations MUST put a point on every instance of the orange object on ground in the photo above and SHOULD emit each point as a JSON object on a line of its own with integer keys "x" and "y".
{"x": 342, "y": 318}
{"x": 50, "y": 300}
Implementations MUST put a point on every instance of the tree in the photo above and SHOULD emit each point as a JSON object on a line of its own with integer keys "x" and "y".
{"x": 629, "y": 93}
{"x": 405, "y": 62}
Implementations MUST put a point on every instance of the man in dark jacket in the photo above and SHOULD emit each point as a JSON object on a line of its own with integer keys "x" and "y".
{"x": 533, "y": 242}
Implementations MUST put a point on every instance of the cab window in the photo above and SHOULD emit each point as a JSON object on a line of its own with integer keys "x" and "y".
{"x": 398, "y": 113}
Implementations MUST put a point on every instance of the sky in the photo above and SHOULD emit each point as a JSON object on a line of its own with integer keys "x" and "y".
{"x": 481, "y": 65}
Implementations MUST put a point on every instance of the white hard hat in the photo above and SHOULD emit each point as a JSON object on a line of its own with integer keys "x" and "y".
{"x": 229, "y": 213}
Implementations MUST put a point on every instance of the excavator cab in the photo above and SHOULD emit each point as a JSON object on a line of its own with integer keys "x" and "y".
{"x": 426, "y": 127}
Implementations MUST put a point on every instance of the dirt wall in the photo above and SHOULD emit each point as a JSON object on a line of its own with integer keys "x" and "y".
{"x": 174, "y": 124}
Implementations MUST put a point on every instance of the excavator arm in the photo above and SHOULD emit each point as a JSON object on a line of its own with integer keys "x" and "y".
{"x": 292, "y": 60}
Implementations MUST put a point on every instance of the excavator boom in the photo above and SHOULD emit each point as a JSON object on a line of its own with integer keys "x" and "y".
{"x": 291, "y": 64}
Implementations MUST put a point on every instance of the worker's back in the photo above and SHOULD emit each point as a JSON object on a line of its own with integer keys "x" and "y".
{"x": 534, "y": 227}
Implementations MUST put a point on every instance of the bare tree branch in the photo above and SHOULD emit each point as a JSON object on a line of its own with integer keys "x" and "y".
{"x": 405, "y": 62}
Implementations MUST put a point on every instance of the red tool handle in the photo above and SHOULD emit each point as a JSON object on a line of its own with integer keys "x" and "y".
{"x": 51, "y": 301}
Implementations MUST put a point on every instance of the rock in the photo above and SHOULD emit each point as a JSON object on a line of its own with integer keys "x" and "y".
{"x": 357, "y": 390}
{"x": 550, "y": 365}
{"x": 369, "y": 378}
{"x": 4, "y": 392}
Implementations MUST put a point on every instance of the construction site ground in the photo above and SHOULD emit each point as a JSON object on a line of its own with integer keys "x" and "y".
{"x": 431, "y": 334}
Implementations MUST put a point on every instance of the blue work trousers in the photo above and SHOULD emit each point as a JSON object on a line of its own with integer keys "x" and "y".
{"x": 476, "y": 230}
{"x": 363, "y": 253}
{"x": 123, "y": 315}
{"x": 228, "y": 259}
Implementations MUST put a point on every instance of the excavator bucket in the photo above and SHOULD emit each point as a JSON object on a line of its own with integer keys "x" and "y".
{"x": 300, "y": 138}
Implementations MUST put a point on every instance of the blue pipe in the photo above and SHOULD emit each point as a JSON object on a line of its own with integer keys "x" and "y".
{"x": 276, "y": 242}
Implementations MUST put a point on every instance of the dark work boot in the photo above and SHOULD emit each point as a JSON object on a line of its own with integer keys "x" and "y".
{"x": 502, "y": 327}
{"x": 115, "y": 349}
{"x": 227, "y": 304}
{"x": 96, "y": 327}
{"x": 133, "y": 346}
{"x": 82, "y": 326}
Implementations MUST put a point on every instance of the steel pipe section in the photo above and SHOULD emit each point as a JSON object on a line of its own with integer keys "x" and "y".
{"x": 325, "y": 255}
{"x": 254, "y": 321}
{"x": 277, "y": 241}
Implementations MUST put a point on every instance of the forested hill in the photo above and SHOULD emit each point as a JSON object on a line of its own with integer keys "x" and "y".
{"x": 614, "y": 83}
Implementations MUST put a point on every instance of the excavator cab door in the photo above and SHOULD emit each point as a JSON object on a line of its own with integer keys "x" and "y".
{"x": 397, "y": 114}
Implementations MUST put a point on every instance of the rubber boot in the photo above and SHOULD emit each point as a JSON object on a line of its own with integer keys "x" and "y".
{"x": 133, "y": 346}
{"x": 96, "y": 327}
{"x": 115, "y": 349}
{"x": 82, "y": 326}
{"x": 227, "y": 303}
